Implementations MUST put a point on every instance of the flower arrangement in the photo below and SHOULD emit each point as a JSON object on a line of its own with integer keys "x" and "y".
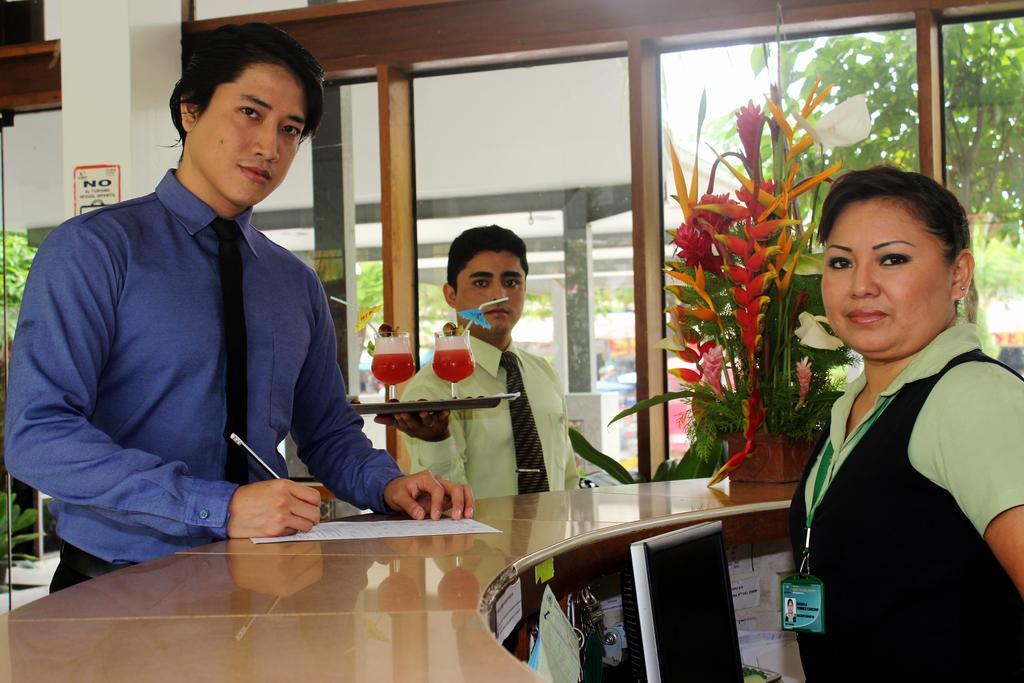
{"x": 747, "y": 311}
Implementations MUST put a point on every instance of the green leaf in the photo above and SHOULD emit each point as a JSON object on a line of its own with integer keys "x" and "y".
{"x": 810, "y": 264}
{"x": 596, "y": 457}
{"x": 759, "y": 59}
{"x": 690, "y": 466}
{"x": 651, "y": 402}
{"x": 21, "y": 538}
{"x": 22, "y": 519}
{"x": 665, "y": 470}
{"x": 702, "y": 112}
{"x": 671, "y": 470}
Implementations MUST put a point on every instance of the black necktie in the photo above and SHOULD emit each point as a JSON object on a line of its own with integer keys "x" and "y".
{"x": 236, "y": 469}
{"x": 533, "y": 477}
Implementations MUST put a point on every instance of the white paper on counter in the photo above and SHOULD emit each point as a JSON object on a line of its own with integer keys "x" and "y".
{"x": 335, "y": 531}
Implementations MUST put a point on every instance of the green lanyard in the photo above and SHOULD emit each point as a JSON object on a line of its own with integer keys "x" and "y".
{"x": 825, "y": 475}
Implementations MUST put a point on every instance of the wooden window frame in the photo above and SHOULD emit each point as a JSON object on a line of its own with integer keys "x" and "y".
{"x": 396, "y": 40}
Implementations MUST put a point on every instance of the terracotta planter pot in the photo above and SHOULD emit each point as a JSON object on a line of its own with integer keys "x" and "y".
{"x": 775, "y": 458}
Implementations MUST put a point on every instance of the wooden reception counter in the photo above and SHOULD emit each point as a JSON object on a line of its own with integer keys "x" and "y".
{"x": 399, "y": 609}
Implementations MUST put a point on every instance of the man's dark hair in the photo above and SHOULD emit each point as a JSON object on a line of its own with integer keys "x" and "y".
{"x": 928, "y": 201}
{"x": 222, "y": 56}
{"x": 484, "y": 238}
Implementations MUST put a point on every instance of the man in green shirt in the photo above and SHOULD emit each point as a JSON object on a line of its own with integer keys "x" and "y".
{"x": 482, "y": 447}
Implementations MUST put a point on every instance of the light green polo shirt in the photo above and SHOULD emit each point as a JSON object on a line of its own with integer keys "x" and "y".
{"x": 969, "y": 435}
{"x": 480, "y": 450}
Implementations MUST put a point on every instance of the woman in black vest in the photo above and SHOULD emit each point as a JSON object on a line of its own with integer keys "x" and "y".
{"x": 918, "y": 522}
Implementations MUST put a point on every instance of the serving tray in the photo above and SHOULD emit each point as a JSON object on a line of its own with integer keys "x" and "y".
{"x": 432, "y": 406}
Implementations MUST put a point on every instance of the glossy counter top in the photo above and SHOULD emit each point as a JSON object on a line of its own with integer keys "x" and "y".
{"x": 397, "y": 609}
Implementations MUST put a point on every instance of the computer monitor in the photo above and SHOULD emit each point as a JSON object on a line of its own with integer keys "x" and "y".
{"x": 677, "y": 608}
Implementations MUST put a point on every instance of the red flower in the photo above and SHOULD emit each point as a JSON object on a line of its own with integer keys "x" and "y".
{"x": 695, "y": 237}
{"x": 749, "y": 120}
{"x": 709, "y": 221}
{"x": 695, "y": 248}
{"x": 748, "y": 198}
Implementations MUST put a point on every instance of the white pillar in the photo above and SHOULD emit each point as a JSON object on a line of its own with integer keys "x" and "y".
{"x": 119, "y": 61}
{"x": 560, "y": 329}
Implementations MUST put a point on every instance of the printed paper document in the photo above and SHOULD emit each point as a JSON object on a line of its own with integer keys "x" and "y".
{"x": 334, "y": 531}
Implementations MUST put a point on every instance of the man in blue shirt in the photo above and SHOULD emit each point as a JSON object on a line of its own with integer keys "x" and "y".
{"x": 123, "y": 375}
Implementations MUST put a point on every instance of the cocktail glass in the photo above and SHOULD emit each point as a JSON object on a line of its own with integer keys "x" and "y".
{"x": 392, "y": 361}
{"x": 453, "y": 358}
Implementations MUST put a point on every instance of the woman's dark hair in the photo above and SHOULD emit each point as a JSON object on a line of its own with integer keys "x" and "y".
{"x": 928, "y": 201}
{"x": 222, "y": 56}
{"x": 485, "y": 238}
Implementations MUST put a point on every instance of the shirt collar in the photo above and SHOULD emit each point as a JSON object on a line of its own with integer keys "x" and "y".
{"x": 489, "y": 357}
{"x": 193, "y": 213}
{"x": 946, "y": 346}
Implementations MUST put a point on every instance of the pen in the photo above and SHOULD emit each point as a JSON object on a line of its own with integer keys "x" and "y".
{"x": 234, "y": 437}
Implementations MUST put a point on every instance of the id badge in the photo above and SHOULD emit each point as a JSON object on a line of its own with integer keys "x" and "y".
{"x": 803, "y": 604}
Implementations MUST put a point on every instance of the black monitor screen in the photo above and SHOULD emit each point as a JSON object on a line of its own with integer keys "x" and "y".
{"x": 684, "y": 596}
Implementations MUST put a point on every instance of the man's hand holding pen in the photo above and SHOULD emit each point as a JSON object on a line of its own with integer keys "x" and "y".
{"x": 281, "y": 507}
{"x": 278, "y": 507}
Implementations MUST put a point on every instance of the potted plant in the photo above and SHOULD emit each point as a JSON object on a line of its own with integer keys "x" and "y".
{"x": 746, "y": 308}
{"x": 685, "y": 468}
{"x": 17, "y": 261}
{"x": 9, "y": 539}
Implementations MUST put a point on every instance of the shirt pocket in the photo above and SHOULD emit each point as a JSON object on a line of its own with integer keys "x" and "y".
{"x": 554, "y": 448}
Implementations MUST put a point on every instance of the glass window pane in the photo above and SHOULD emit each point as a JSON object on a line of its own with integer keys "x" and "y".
{"x": 212, "y": 9}
{"x": 327, "y": 213}
{"x": 983, "y": 72}
{"x": 880, "y": 65}
{"x": 31, "y": 203}
{"x": 543, "y": 151}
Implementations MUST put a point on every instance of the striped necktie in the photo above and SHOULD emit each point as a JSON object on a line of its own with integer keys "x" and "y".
{"x": 533, "y": 477}
{"x": 230, "y": 258}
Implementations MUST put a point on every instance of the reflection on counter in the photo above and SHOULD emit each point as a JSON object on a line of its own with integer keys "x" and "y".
{"x": 402, "y": 609}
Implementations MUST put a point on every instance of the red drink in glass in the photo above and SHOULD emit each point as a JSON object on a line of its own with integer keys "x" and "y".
{"x": 393, "y": 368}
{"x": 392, "y": 361}
{"x": 453, "y": 359}
{"x": 453, "y": 365}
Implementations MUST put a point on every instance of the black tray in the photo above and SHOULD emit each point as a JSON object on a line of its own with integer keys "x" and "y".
{"x": 431, "y": 406}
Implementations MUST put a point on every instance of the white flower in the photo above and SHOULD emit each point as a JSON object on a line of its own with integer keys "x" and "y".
{"x": 812, "y": 334}
{"x": 847, "y": 124}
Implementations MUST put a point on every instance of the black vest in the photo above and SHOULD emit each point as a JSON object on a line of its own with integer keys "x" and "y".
{"x": 912, "y": 591}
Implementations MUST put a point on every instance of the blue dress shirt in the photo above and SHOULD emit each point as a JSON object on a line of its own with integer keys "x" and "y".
{"x": 116, "y": 405}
